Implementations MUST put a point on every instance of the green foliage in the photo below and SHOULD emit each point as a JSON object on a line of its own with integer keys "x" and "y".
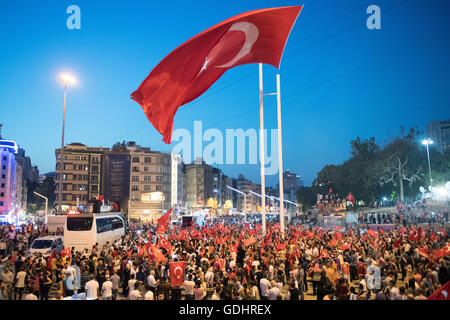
{"x": 397, "y": 169}
{"x": 47, "y": 189}
{"x": 306, "y": 197}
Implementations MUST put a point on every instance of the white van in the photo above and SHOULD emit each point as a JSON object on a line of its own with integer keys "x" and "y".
{"x": 45, "y": 245}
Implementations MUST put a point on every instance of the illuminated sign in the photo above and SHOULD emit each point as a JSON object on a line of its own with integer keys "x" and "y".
{"x": 10, "y": 145}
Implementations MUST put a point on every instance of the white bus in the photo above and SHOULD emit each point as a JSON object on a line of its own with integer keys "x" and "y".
{"x": 82, "y": 231}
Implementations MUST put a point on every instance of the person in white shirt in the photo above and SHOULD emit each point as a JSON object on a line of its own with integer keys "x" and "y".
{"x": 135, "y": 294}
{"x": 149, "y": 295}
{"x": 216, "y": 295}
{"x": 107, "y": 288}
{"x": 209, "y": 275}
{"x": 274, "y": 291}
{"x": 131, "y": 283}
{"x": 91, "y": 288}
{"x": 264, "y": 285}
{"x": 189, "y": 287}
{"x": 151, "y": 281}
{"x": 30, "y": 296}
{"x": 394, "y": 292}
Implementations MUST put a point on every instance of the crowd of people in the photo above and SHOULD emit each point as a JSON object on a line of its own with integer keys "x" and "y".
{"x": 228, "y": 259}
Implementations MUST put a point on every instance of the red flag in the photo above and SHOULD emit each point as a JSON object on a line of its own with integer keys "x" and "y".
{"x": 442, "y": 293}
{"x": 65, "y": 252}
{"x": 176, "y": 273}
{"x": 337, "y": 235}
{"x": 351, "y": 198}
{"x": 249, "y": 241}
{"x": 163, "y": 243}
{"x": 371, "y": 233}
{"x": 324, "y": 254}
{"x": 280, "y": 247}
{"x": 402, "y": 230}
{"x": 163, "y": 222}
{"x": 397, "y": 243}
{"x": 49, "y": 260}
{"x": 442, "y": 252}
{"x": 424, "y": 251}
{"x": 351, "y": 230}
{"x": 257, "y": 36}
{"x": 157, "y": 254}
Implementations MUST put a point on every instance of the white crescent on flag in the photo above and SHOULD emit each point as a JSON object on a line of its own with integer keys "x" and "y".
{"x": 178, "y": 274}
{"x": 251, "y": 35}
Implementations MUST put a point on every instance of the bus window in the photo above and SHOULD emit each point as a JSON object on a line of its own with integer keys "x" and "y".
{"x": 117, "y": 223}
{"x": 104, "y": 225}
{"x": 79, "y": 223}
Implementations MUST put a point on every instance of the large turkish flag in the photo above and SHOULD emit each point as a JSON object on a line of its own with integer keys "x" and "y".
{"x": 176, "y": 273}
{"x": 257, "y": 36}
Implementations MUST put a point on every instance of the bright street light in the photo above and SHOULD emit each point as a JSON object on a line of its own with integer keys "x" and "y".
{"x": 67, "y": 78}
{"x": 427, "y": 142}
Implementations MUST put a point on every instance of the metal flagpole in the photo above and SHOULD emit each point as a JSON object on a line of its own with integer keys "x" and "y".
{"x": 261, "y": 147}
{"x": 280, "y": 157}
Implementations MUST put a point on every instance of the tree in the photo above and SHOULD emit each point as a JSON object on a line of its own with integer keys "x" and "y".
{"x": 401, "y": 161}
{"x": 47, "y": 189}
{"x": 306, "y": 197}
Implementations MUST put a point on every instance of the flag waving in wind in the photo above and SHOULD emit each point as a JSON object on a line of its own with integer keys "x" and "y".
{"x": 163, "y": 222}
{"x": 257, "y": 36}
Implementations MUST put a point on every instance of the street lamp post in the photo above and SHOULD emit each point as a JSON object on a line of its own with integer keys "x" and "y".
{"x": 427, "y": 142}
{"x": 46, "y": 205}
{"x": 66, "y": 79}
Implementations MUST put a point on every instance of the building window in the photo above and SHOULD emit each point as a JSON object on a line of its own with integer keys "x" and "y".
{"x": 95, "y": 169}
{"x": 135, "y": 188}
{"x": 148, "y": 160}
{"x": 4, "y": 167}
{"x": 3, "y": 176}
{"x": 1, "y": 203}
{"x": 2, "y": 194}
{"x": 135, "y": 169}
{"x": 159, "y": 188}
{"x": 94, "y": 188}
{"x": 4, "y": 158}
{"x": 135, "y": 179}
{"x": 94, "y": 178}
{"x": 135, "y": 159}
{"x": 145, "y": 169}
{"x": 147, "y": 178}
{"x": 146, "y": 188}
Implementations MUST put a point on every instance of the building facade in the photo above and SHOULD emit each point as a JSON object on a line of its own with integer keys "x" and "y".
{"x": 8, "y": 149}
{"x": 202, "y": 186}
{"x": 116, "y": 168}
{"x": 150, "y": 185}
{"x": 250, "y": 203}
{"x": 82, "y": 175}
{"x": 439, "y": 132}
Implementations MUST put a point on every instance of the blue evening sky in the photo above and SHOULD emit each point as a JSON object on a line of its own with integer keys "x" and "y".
{"x": 339, "y": 79}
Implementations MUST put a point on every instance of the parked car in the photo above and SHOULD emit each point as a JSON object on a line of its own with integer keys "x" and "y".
{"x": 45, "y": 245}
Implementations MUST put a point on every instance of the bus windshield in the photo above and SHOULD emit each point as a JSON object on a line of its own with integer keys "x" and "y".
{"x": 79, "y": 223}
